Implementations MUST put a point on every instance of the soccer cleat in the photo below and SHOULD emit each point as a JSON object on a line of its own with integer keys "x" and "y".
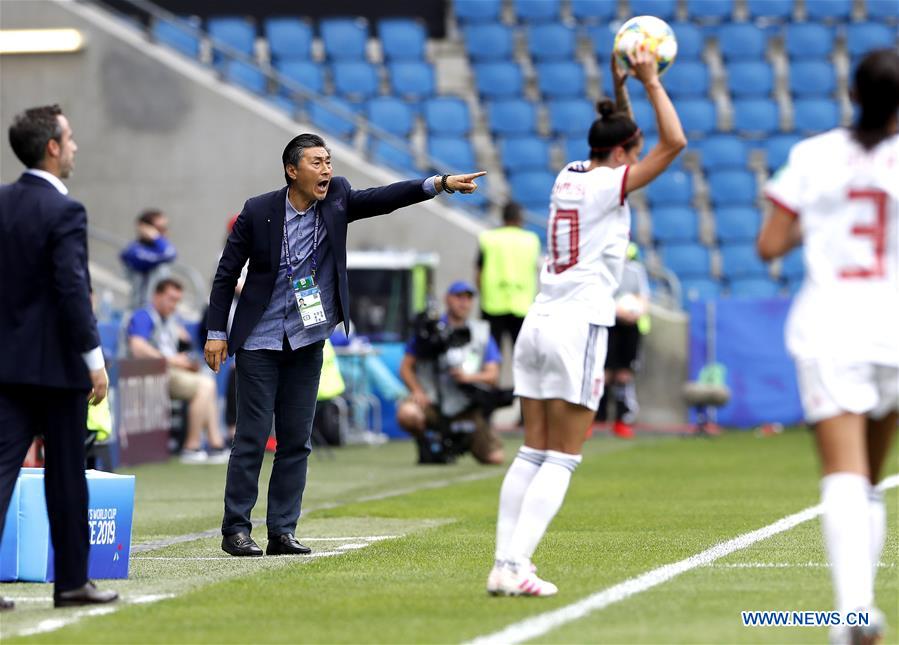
{"x": 494, "y": 587}
{"x": 870, "y": 634}
{"x": 522, "y": 580}
{"x": 194, "y": 457}
{"x": 623, "y": 430}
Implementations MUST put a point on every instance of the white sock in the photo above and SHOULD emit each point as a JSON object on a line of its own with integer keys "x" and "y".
{"x": 847, "y": 537}
{"x": 525, "y": 465}
{"x": 541, "y": 502}
{"x": 877, "y": 521}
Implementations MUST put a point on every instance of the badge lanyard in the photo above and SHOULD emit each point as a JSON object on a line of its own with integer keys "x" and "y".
{"x": 306, "y": 293}
{"x": 314, "y": 267}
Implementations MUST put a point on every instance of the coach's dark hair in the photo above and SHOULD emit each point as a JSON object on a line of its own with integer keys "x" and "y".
{"x": 149, "y": 216}
{"x": 32, "y": 130}
{"x": 512, "y": 213}
{"x": 166, "y": 283}
{"x": 876, "y": 90}
{"x": 294, "y": 150}
{"x": 612, "y": 129}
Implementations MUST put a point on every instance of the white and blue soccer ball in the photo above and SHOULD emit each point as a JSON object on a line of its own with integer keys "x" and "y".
{"x": 654, "y": 32}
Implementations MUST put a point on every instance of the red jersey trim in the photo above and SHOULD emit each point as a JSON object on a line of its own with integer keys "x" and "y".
{"x": 627, "y": 169}
{"x": 779, "y": 203}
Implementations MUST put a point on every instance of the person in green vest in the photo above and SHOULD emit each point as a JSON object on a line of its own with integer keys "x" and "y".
{"x": 325, "y": 424}
{"x": 507, "y": 268}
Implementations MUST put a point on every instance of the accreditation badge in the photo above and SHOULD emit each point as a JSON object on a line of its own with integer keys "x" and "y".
{"x": 309, "y": 301}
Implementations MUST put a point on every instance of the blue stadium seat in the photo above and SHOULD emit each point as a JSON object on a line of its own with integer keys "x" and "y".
{"x": 576, "y": 148}
{"x": 285, "y": 103}
{"x": 180, "y": 35}
{"x": 700, "y": 289}
{"x": 755, "y": 117}
{"x": 288, "y": 38}
{"x": 390, "y": 114}
{"x": 524, "y": 153}
{"x": 812, "y": 78}
{"x": 776, "y": 10}
{"x": 808, "y": 40}
{"x": 882, "y": 10}
{"x": 563, "y": 79}
{"x": 306, "y": 73}
{"x": 512, "y": 117}
{"x": 737, "y": 224}
{"x": 710, "y": 10}
{"x": 355, "y": 80}
{"x": 246, "y": 76}
{"x": 453, "y": 153}
{"x": 698, "y": 116}
{"x": 344, "y": 38}
{"x": 732, "y": 187}
{"x": 862, "y": 37}
{"x": 815, "y": 115}
{"x": 325, "y": 115}
{"x": 412, "y": 81}
{"x": 754, "y": 288}
{"x": 663, "y": 9}
{"x": 532, "y": 188}
{"x": 394, "y": 156}
{"x": 498, "y": 80}
{"x": 742, "y": 261}
{"x": 571, "y": 117}
{"x": 690, "y": 41}
{"x": 687, "y": 79}
{"x": 551, "y": 42}
{"x": 644, "y": 116}
{"x": 671, "y": 188}
{"x": 742, "y": 41}
{"x": 536, "y": 10}
{"x": 488, "y": 42}
{"x": 236, "y": 33}
{"x": 792, "y": 265}
{"x": 402, "y": 39}
{"x": 469, "y": 11}
{"x": 594, "y": 11}
{"x": 831, "y": 10}
{"x": 777, "y": 149}
{"x": 723, "y": 151}
{"x": 603, "y": 38}
{"x": 447, "y": 115}
{"x": 674, "y": 224}
{"x": 750, "y": 79}
{"x": 687, "y": 260}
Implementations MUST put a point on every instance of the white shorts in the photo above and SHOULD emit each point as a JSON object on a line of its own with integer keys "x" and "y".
{"x": 560, "y": 357}
{"x": 829, "y": 389}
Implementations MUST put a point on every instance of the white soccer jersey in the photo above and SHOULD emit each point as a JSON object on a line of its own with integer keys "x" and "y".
{"x": 587, "y": 236}
{"x": 847, "y": 201}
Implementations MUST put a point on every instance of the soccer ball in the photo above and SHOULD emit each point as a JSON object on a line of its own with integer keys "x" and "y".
{"x": 654, "y": 32}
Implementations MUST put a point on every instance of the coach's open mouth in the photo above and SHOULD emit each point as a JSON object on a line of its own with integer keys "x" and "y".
{"x": 322, "y": 186}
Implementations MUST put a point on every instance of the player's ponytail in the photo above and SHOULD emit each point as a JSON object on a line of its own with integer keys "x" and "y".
{"x": 876, "y": 90}
{"x": 611, "y": 129}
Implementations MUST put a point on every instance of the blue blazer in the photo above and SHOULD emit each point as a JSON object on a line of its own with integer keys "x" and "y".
{"x": 256, "y": 237}
{"x": 46, "y": 320}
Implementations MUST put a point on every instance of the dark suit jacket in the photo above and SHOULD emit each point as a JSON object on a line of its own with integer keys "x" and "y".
{"x": 256, "y": 237}
{"x": 46, "y": 321}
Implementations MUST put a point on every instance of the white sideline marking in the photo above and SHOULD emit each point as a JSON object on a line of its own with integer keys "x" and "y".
{"x": 785, "y": 565}
{"x": 543, "y": 623}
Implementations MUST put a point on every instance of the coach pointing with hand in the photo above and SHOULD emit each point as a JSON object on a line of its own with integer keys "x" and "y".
{"x": 294, "y": 296}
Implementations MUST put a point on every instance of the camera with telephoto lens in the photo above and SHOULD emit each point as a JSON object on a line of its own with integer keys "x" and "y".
{"x": 434, "y": 337}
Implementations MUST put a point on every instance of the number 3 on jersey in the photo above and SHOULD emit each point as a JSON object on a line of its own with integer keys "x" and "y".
{"x": 875, "y": 231}
{"x": 564, "y": 240}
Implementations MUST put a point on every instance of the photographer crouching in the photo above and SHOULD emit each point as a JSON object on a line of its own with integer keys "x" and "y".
{"x": 451, "y": 368}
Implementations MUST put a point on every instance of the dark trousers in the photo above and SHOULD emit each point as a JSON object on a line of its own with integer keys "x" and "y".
{"x": 284, "y": 385}
{"x": 61, "y": 417}
{"x": 503, "y": 324}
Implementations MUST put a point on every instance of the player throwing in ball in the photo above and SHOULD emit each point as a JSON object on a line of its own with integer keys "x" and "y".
{"x": 560, "y": 352}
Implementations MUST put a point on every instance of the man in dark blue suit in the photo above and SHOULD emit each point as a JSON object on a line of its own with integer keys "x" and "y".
{"x": 50, "y": 358}
{"x": 294, "y": 296}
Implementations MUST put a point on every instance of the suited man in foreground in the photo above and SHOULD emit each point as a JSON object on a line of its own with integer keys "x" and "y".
{"x": 51, "y": 361}
{"x": 294, "y": 296}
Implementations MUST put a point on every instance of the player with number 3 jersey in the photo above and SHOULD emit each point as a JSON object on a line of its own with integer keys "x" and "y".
{"x": 560, "y": 352}
{"x": 838, "y": 196}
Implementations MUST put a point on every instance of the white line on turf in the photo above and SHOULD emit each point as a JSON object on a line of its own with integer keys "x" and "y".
{"x": 543, "y": 623}
{"x": 783, "y": 565}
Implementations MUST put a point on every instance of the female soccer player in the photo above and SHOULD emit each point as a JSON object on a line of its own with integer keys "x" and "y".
{"x": 560, "y": 352}
{"x": 838, "y": 195}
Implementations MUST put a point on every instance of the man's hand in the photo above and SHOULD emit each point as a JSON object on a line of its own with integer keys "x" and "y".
{"x": 465, "y": 184}
{"x": 99, "y": 386}
{"x": 216, "y": 353}
{"x": 420, "y": 398}
{"x": 462, "y": 378}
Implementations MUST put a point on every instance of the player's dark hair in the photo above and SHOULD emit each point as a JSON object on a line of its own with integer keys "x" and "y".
{"x": 32, "y": 130}
{"x": 876, "y": 90}
{"x": 168, "y": 283}
{"x": 613, "y": 128}
{"x": 149, "y": 216}
{"x": 294, "y": 150}
{"x": 512, "y": 213}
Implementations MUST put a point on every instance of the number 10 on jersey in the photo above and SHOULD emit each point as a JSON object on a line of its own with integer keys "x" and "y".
{"x": 564, "y": 240}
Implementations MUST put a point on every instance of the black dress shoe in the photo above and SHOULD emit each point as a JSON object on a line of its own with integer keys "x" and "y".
{"x": 6, "y": 604}
{"x": 241, "y": 545}
{"x": 285, "y": 544}
{"x": 88, "y": 594}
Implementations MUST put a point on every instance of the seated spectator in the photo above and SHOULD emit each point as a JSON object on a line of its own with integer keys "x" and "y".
{"x": 155, "y": 332}
{"x": 147, "y": 257}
